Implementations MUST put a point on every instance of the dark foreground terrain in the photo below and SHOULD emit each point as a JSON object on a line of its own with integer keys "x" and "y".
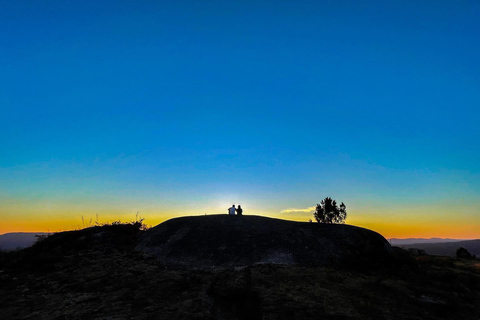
{"x": 96, "y": 273}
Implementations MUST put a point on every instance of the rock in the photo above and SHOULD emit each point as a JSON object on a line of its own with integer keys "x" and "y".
{"x": 205, "y": 242}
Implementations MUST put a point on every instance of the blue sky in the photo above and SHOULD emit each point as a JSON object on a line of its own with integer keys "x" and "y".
{"x": 182, "y": 107}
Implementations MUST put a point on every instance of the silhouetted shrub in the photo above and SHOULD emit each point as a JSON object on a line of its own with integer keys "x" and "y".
{"x": 416, "y": 252}
{"x": 40, "y": 238}
{"x": 463, "y": 253}
{"x": 328, "y": 211}
{"x": 138, "y": 224}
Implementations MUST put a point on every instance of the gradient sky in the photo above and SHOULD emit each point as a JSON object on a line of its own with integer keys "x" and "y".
{"x": 176, "y": 108}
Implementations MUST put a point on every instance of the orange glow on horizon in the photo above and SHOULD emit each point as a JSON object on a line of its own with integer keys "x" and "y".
{"x": 388, "y": 229}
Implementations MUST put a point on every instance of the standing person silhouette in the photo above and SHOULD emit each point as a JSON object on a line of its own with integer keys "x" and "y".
{"x": 239, "y": 210}
{"x": 231, "y": 211}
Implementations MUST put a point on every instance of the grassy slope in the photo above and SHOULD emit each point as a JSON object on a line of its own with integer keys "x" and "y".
{"x": 95, "y": 274}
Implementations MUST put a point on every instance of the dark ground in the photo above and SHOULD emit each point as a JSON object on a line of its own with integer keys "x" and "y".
{"x": 96, "y": 274}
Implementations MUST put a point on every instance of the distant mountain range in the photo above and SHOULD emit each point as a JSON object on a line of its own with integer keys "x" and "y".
{"x": 408, "y": 241}
{"x": 18, "y": 240}
{"x": 439, "y": 247}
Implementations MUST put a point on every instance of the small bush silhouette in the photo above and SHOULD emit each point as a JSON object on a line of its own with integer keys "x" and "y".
{"x": 463, "y": 253}
{"x": 40, "y": 238}
{"x": 328, "y": 211}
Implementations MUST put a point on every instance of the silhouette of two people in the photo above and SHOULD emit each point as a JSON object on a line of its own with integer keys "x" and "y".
{"x": 232, "y": 210}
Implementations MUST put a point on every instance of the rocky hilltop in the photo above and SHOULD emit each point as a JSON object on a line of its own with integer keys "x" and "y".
{"x": 233, "y": 241}
{"x": 96, "y": 273}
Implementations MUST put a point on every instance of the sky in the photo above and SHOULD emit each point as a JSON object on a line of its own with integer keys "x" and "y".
{"x": 174, "y": 108}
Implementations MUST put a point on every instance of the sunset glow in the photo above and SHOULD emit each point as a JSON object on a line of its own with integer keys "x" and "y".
{"x": 171, "y": 109}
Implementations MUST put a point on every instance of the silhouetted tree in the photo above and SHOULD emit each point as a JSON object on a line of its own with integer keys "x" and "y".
{"x": 328, "y": 211}
{"x": 463, "y": 253}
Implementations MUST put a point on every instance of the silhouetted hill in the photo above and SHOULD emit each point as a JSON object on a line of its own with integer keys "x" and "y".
{"x": 233, "y": 241}
{"x": 44, "y": 255}
{"x": 96, "y": 273}
{"x": 447, "y": 248}
{"x": 18, "y": 240}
